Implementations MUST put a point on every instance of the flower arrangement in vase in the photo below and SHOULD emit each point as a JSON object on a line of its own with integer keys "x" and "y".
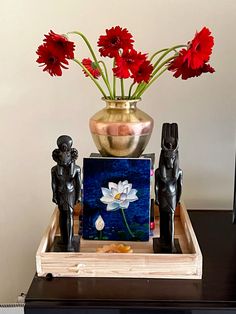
{"x": 121, "y": 129}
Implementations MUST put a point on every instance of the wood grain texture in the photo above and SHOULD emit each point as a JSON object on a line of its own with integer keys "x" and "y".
{"x": 142, "y": 263}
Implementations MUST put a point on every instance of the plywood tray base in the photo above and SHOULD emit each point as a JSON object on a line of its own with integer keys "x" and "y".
{"x": 142, "y": 263}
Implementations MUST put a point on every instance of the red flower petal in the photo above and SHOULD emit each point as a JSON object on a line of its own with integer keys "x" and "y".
{"x": 60, "y": 45}
{"x": 115, "y": 39}
{"x": 91, "y": 67}
{"x": 181, "y": 68}
{"x": 121, "y": 70}
{"x": 128, "y": 63}
{"x": 200, "y": 49}
{"x": 53, "y": 64}
{"x": 143, "y": 73}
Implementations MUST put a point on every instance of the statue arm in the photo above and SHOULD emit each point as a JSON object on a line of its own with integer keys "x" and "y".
{"x": 78, "y": 183}
{"x": 54, "y": 185}
{"x": 179, "y": 185}
{"x": 156, "y": 187}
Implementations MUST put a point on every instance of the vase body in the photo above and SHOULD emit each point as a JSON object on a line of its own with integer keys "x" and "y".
{"x": 121, "y": 129}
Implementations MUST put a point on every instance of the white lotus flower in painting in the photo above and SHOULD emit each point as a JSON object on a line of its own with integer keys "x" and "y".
{"x": 99, "y": 223}
{"x": 118, "y": 195}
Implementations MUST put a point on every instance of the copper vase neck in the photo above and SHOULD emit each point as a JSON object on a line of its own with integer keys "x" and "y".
{"x": 121, "y": 103}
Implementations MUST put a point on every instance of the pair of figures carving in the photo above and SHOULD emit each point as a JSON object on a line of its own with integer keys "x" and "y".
{"x": 66, "y": 186}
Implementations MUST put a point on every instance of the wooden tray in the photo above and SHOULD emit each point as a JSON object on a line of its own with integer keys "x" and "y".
{"x": 142, "y": 263}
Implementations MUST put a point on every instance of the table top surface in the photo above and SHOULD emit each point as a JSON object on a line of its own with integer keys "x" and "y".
{"x": 217, "y": 239}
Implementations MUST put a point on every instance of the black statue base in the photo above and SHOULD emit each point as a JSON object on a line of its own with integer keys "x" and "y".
{"x": 159, "y": 248}
{"x": 58, "y": 246}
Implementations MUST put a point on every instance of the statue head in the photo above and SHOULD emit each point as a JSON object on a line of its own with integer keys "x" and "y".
{"x": 169, "y": 148}
{"x": 65, "y": 154}
{"x": 64, "y": 142}
{"x": 169, "y": 159}
{"x": 169, "y": 152}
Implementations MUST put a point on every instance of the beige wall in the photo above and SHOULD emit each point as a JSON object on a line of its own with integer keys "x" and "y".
{"x": 35, "y": 109}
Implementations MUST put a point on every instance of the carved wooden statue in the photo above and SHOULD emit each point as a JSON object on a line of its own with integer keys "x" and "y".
{"x": 66, "y": 187}
{"x": 168, "y": 185}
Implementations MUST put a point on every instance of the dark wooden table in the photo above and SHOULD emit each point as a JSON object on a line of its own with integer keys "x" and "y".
{"x": 216, "y": 291}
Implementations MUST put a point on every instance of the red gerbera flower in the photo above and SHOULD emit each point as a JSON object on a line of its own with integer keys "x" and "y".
{"x": 206, "y": 68}
{"x": 53, "y": 63}
{"x": 116, "y": 38}
{"x": 181, "y": 68}
{"x": 200, "y": 49}
{"x": 128, "y": 63}
{"x": 60, "y": 45}
{"x": 91, "y": 67}
{"x": 143, "y": 73}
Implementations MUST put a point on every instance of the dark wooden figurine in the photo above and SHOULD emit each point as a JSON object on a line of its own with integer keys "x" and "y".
{"x": 168, "y": 185}
{"x": 66, "y": 187}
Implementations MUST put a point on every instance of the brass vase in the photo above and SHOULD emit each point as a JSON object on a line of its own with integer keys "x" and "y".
{"x": 121, "y": 129}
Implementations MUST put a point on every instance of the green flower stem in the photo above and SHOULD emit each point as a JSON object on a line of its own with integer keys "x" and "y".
{"x": 154, "y": 76}
{"x": 143, "y": 86}
{"x": 95, "y": 60}
{"x": 152, "y": 81}
{"x": 161, "y": 65}
{"x": 114, "y": 80}
{"x": 130, "y": 90}
{"x": 105, "y": 69}
{"x": 156, "y": 53}
{"x": 126, "y": 223}
{"x": 100, "y": 235}
{"x": 90, "y": 75}
{"x": 138, "y": 89}
{"x": 122, "y": 88}
{"x": 166, "y": 53}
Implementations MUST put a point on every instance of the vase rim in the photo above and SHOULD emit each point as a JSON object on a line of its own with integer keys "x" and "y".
{"x": 120, "y": 100}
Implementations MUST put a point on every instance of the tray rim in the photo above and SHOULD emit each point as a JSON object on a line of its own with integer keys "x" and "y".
{"x": 195, "y": 258}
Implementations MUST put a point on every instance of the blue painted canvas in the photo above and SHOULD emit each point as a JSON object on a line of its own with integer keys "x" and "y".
{"x": 116, "y": 199}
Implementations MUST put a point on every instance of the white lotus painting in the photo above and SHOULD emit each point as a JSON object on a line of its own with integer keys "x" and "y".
{"x": 116, "y": 199}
